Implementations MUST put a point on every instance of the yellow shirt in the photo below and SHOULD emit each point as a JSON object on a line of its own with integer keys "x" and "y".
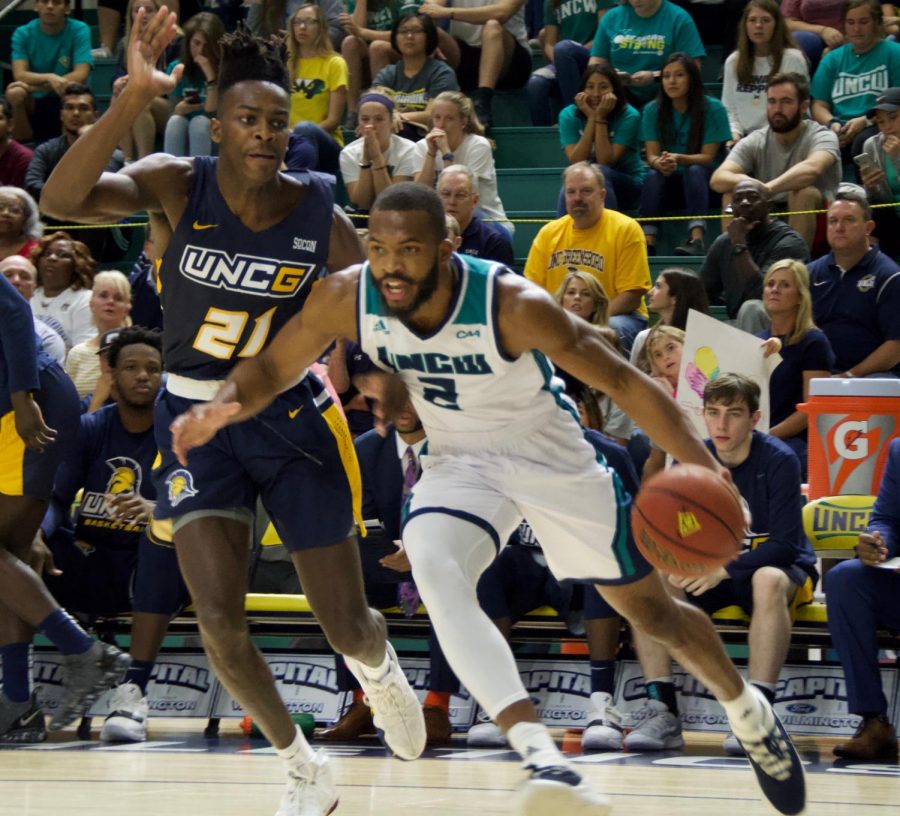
{"x": 613, "y": 251}
{"x": 311, "y": 90}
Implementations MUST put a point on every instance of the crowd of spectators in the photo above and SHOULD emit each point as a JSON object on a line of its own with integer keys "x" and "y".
{"x": 810, "y": 97}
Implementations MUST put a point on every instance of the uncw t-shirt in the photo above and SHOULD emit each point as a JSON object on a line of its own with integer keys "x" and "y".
{"x": 850, "y": 82}
{"x": 623, "y": 130}
{"x": 577, "y": 19}
{"x": 632, "y": 43}
{"x": 413, "y": 93}
{"x": 381, "y": 16}
{"x": 52, "y": 54}
{"x": 715, "y": 127}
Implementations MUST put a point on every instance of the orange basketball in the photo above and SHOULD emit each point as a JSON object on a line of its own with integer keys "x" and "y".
{"x": 687, "y": 521}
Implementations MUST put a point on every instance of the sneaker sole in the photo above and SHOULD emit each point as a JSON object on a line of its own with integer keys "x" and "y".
{"x": 116, "y": 732}
{"x": 541, "y": 798}
{"x": 788, "y": 796}
{"x": 24, "y": 737}
{"x": 602, "y": 742}
{"x": 110, "y": 677}
{"x": 644, "y": 744}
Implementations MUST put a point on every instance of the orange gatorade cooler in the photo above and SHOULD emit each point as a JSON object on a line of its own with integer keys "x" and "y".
{"x": 851, "y": 423}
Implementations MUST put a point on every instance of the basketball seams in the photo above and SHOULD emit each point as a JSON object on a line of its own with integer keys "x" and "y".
{"x": 665, "y": 491}
{"x": 679, "y": 542}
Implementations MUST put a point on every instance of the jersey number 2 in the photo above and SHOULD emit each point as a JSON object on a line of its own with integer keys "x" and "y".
{"x": 441, "y": 391}
{"x": 222, "y": 330}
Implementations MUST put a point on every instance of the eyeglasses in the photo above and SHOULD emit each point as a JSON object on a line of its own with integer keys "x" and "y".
{"x": 305, "y": 23}
{"x": 12, "y": 209}
{"x": 459, "y": 195}
{"x": 410, "y": 32}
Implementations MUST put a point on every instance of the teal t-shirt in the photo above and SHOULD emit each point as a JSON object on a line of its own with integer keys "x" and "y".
{"x": 715, "y": 127}
{"x": 631, "y": 43}
{"x": 381, "y": 15}
{"x": 576, "y": 19}
{"x": 57, "y": 54}
{"x": 851, "y": 83}
{"x": 623, "y": 130}
{"x": 185, "y": 84}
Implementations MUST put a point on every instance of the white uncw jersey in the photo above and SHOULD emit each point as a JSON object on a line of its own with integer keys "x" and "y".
{"x": 467, "y": 392}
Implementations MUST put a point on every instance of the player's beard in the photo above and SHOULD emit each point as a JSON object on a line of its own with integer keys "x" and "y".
{"x": 424, "y": 293}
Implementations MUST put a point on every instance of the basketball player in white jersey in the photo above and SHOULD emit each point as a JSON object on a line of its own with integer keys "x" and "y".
{"x": 468, "y": 339}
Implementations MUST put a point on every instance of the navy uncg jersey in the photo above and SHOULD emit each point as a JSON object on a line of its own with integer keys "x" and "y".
{"x": 227, "y": 290}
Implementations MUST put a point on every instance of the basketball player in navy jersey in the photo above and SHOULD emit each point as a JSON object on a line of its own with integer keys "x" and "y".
{"x": 242, "y": 245}
{"x": 39, "y": 410}
{"x": 468, "y": 339}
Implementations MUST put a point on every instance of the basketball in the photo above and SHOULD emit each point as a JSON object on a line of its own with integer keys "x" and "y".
{"x": 687, "y": 521}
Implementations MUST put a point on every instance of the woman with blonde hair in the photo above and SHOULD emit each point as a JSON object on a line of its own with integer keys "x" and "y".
{"x": 582, "y": 294}
{"x": 318, "y": 75}
{"x": 805, "y": 351}
{"x": 457, "y": 137}
{"x": 110, "y": 307}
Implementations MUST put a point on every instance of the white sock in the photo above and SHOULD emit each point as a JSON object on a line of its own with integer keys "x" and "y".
{"x": 532, "y": 742}
{"x": 379, "y": 672}
{"x": 298, "y": 752}
{"x": 746, "y": 714}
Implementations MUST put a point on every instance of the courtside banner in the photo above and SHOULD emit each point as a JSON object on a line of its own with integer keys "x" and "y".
{"x": 810, "y": 699}
{"x": 306, "y": 683}
{"x": 559, "y": 689}
{"x": 462, "y": 705}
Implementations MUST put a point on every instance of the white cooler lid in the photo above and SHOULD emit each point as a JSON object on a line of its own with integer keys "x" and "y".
{"x": 838, "y": 387}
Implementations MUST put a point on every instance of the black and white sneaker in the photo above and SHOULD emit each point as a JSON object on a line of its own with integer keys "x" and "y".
{"x": 558, "y": 789}
{"x": 127, "y": 719}
{"x": 21, "y": 722}
{"x": 776, "y": 763}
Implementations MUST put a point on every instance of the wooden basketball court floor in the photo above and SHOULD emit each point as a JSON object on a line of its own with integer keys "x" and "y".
{"x": 180, "y": 773}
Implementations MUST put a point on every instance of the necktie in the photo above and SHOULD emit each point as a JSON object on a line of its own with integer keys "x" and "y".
{"x": 407, "y": 594}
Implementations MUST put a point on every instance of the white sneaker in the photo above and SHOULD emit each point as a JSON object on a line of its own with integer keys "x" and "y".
{"x": 127, "y": 719}
{"x": 604, "y": 728}
{"x": 559, "y": 789}
{"x": 659, "y": 730}
{"x": 396, "y": 711}
{"x": 310, "y": 789}
{"x": 486, "y": 734}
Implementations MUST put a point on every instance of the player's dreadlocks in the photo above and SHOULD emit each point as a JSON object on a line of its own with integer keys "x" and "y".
{"x": 247, "y": 57}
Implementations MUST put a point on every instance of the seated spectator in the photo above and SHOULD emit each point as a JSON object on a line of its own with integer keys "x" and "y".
{"x": 273, "y": 17}
{"x": 880, "y": 172}
{"x": 109, "y": 565}
{"x": 459, "y": 193}
{"x": 856, "y": 292}
{"x": 862, "y": 597}
{"x": 390, "y": 467}
{"x": 637, "y": 38}
{"x": 21, "y": 273}
{"x": 601, "y": 127}
{"x": 379, "y": 157}
{"x": 65, "y": 275}
{"x": 14, "y": 157}
{"x": 519, "y": 580}
{"x": 370, "y": 46}
{"x": 797, "y": 159}
{"x": 566, "y": 39}
{"x": 815, "y": 25}
{"x": 318, "y": 75}
{"x": 20, "y": 222}
{"x": 493, "y": 47}
{"x": 674, "y": 294}
{"x": 805, "y": 352}
{"x": 683, "y": 131}
{"x": 765, "y": 48}
{"x": 775, "y": 573}
{"x": 738, "y": 259}
{"x": 850, "y": 78}
{"x": 110, "y": 306}
{"x": 457, "y": 137}
{"x": 582, "y": 294}
{"x": 48, "y": 54}
{"x": 151, "y": 123}
{"x": 195, "y": 97}
{"x": 417, "y": 77}
{"x": 604, "y": 243}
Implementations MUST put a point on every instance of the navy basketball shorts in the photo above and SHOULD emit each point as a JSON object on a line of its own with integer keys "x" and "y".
{"x": 24, "y": 472}
{"x": 297, "y": 455}
{"x": 739, "y": 592}
{"x": 158, "y": 588}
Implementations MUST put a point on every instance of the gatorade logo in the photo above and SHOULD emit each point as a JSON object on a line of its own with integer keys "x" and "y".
{"x": 855, "y": 446}
{"x": 851, "y": 440}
